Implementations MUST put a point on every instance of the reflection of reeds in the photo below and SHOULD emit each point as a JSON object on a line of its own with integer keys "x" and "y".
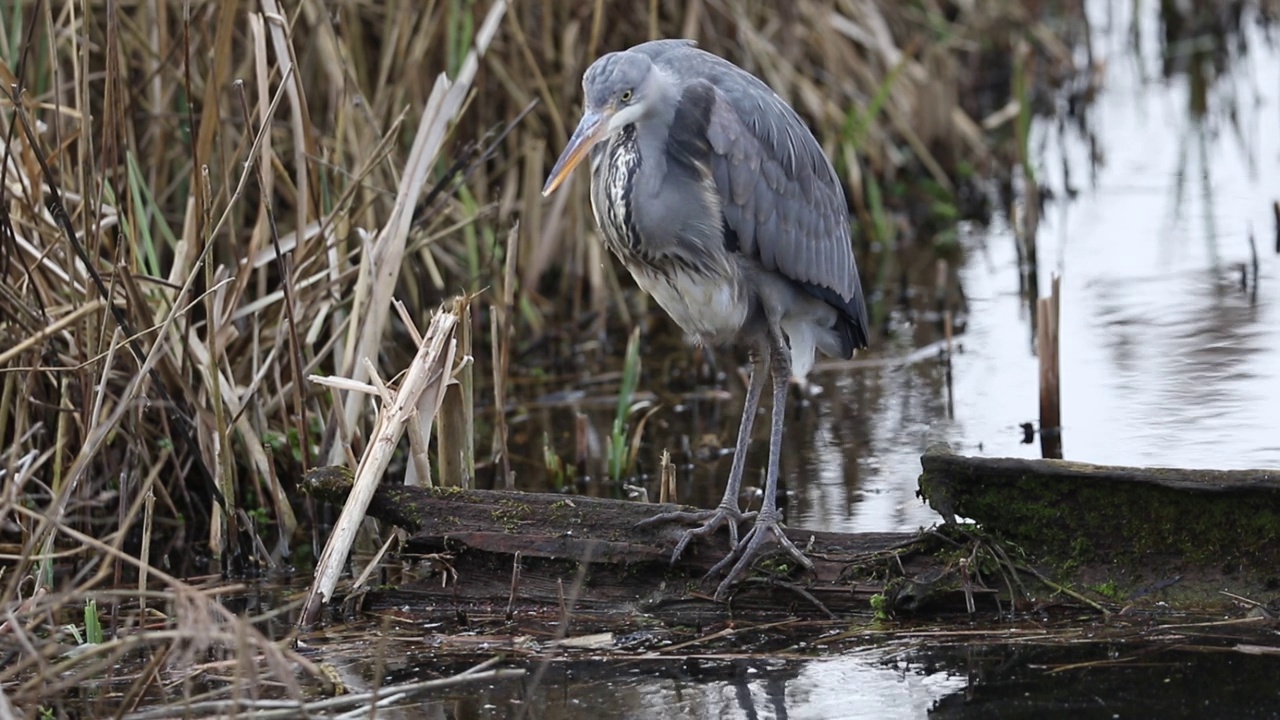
{"x": 1026, "y": 213}
{"x": 1275, "y": 209}
{"x": 1047, "y": 351}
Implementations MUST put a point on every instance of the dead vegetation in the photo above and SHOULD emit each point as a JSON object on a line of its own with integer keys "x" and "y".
{"x": 204, "y": 205}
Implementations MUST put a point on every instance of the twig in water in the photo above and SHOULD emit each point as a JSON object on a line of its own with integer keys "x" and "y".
{"x": 515, "y": 586}
{"x": 1062, "y": 588}
{"x": 564, "y": 609}
{"x": 1247, "y": 601}
{"x": 727, "y": 632}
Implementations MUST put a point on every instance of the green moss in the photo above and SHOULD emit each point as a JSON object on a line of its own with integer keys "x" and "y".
{"x": 776, "y": 565}
{"x": 510, "y": 513}
{"x": 1109, "y": 590}
{"x": 880, "y": 606}
{"x": 453, "y": 492}
{"x": 565, "y": 512}
{"x": 330, "y": 483}
{"x": 1085, "y": 519}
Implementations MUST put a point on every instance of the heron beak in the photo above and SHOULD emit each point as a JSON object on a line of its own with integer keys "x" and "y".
{"x": 590, "y": 131}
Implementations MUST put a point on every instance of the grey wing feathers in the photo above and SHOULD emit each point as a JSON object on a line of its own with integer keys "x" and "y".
{"x": 780, "y": 195}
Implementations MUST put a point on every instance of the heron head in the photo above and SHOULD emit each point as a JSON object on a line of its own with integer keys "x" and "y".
{"x": 620, "y": 89}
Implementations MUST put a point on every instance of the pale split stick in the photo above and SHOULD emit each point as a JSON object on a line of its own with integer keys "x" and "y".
{"x": 426, "y": 373}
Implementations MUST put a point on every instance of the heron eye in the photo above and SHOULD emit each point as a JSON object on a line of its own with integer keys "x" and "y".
{"x": 626, "y": 96}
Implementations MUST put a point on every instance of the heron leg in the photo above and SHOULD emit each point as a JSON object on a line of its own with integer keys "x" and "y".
{"x": 727, "y": 512}
{"x": 767, "y": 520}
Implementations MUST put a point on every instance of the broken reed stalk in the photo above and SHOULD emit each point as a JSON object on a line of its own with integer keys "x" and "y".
{"x": 418, "y": 473}
{"x": 1250, "y": 273}
{"x": 455, "y": 436}
{"x": 1047, "y": 350}
{"x": 499, "y": 449}
{"x": 942, "y": 273}
{"x": 429, "y": 371}
{"x": 500, "y": 335}
{"x": 667, "y": 487}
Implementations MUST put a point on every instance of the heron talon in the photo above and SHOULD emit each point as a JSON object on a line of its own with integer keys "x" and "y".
{"x": 747, "y": 551}
{"x": 711, "y": 521}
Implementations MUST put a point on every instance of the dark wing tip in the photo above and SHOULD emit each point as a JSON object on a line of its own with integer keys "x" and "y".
{"x": 854, "y": 325}
{"x": 851, "y": 319}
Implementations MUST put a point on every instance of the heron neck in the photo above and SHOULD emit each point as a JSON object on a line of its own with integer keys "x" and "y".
{"x": 652, "y": 132}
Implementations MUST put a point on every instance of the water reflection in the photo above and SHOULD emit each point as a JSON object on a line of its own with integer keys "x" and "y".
{"x": 864, "y": 685}
{"x": 952, "y": 679}
{"x": 1166, "y": 358}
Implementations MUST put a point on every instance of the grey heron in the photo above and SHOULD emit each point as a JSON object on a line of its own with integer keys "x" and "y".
{"x": 722, "y": 205}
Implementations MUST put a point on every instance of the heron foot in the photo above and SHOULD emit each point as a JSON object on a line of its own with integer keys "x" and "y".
{"x": 711, "y": 521}
{"x": 746, "y": 552}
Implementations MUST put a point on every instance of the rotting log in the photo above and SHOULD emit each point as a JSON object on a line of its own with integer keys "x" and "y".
{"x": 1191, "y": 534}
{"x": 1033, "y": 533}
{"x": 588, "y": 555}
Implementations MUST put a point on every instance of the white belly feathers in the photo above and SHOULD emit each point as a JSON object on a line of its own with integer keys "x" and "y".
{"x": 709, "y": 310}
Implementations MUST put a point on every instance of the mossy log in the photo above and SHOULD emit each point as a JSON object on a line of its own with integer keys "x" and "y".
{"x": 1203, "y": 531}
{"x": 1047, "y": 530}
{"x": 591, "y": 554}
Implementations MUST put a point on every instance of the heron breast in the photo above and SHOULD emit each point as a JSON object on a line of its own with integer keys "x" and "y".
{"x": 702, "y": 294}
{"x": 710, "y": 309}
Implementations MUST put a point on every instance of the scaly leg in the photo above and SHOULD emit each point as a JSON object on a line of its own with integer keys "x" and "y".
{"x": 728, "y": 512}
{"x": 767, "y": 519}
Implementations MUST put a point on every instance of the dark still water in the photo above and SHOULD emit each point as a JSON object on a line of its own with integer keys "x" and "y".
{"x": 1017, "y": 673}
